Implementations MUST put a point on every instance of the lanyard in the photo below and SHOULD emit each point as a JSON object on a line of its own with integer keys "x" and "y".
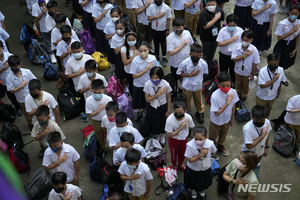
{"x": 144, "y": 5}
{"x": 259, "y": 134}
{"x": 61, "y": 197}
{"x": 270, "y": 78}
{"x": 156, "y": 91}
{"x": 41, "y": 100}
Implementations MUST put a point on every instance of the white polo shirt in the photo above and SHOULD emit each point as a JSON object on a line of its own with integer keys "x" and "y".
{"x": 161, "y": 23}
{"x": 172, "y": 124}
{"x": 218, "y": 100}
{"x": 75, "y": 190}
{"x": 109, "y": 125}
{"x": 117, "y": 41}
{"x": 92, "y": 105}
{"x": 29, "y": 4}
{"x": 5, "y": 73}
{"x": 88, "y": 8}
{"x": 264, "y": 16}
{"x": 36, "y": 11}
{"x": 139, "y": 185}
{"x": 12, "y": 82}
{"x": 56, "y": 35}
{"x": 177, "y": 4}
{"x": 129, "y": 4}
{"x": 251, "y": 133}
{"x": 109, "y": 29}
{"x": 84, "y": 82}
{"x": 244, "y": 3}
{"x": 50, "y": 23}
{"x": 114, "y": 135}
{"x": 285, "y": 26}
{"x": 131, "y": 52}
{"x": 4, "y": 36}
{"x": 192, "y": 84}
{"x": 62, "y": 47}
{"x": 193, "y": 9}
{"x": 247, "y": 62}
{"x": 138, "y": 65}
{"x": 68, "y": 166}
{"x": 174, "y": 41}
{"x": 142, "y": 17}
{"x": 224, "y": 35}
{"x": 152, "y": 89}
{"x": 119, "y": 155}
{"x": 97, "y": 10}
{"x": 293, "y": 118}
{"x": 1, "y": 18}
{"x": 265, "y": 75}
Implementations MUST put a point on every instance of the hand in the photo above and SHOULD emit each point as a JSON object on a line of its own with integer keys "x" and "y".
{"x": 218, "y": 15}
{"x": 102, "y": 106}
{"x": 267, "y": 6}
{"x": 81, "y": 70}
{"x": 295, "y": 28}
{"x": 63, "y": 158}
{"x": 44, "y": 9}
{"x": 46, "y": 102}
{"x": 24, "y": 82}
{"x": 185, "y": 41}
{"x": 68, "y": 196}
{"x": 194, "y": 73}
{"x": 240, "y": 180}
{"x": 248, "y": 53}
{"x": 90, "y": 86}
{"x": 69, "y": 50}
{"x": 168, "y": 113}
{"x": 264, "y": 131}
{"x": 148, "y": 2}
{"x": 251, "y": 77}
{"x": 147, "y": 194}
{"x": 203, "y": 151}
{"x": 266, "y": 152}
{"x": 161, "y": 91}
{"x": 269, "y": 33}
{"x": 167, "y": 32}
{"x": 160, "y": 15}
{"x": 149, "y": 66}
{"x": 105, "y": 11}
{"x": 76, "y": 178}
{"x": 6, "y": 65}
{"x": 231, "y": 122}
{"x": 229, "y": 98}
{"x": 136, "y": 53}
{"x": 276, "y": 77}
{"x": 135, "y": 176}
{"x": 293, "y": 53}
{"x": 184, "y": 124}
{"x": 234, "y": 38}
{"x": 47, "y": 130}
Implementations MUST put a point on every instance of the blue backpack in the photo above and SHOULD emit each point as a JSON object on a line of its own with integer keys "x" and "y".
{"x": 27, "y": 33}
{"x": 90, "y": 149}
{"x": 178, "y": 192}
{"x": 104, "y": 192}
{"x": 215, "y": 167}
{"x": 50, "y": 72}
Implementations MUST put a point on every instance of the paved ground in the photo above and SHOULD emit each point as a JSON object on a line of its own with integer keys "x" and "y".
{"x": 274, "y": 168}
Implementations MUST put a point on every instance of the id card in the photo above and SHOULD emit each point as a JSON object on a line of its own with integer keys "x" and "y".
{"x": 214, "y": 31}
{"x": 231, "y": 46}
{"x": 156, "y": 24}
{"x": 154, "y": 103}
{"x": 271, "y": 92}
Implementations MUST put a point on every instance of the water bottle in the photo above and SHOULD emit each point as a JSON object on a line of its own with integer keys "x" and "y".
{"x": 298, "y": 159}
{"x": 159, "y": 64}
{"x": 42, "y": 61}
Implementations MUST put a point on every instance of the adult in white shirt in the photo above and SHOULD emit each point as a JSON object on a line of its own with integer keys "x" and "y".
{"x": 292, "y": 117}
{"x": 87, "y": 19}
{"x": 131, "y": 13}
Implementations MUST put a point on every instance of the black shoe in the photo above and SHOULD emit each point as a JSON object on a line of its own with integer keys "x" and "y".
{"x": 19, "y": 112}
{"x": 285, "y": 83}
{"x": 30, "y": 126}
{"x": 165, "y": 62}
{"x": 41, "y": 154}
{"x": 158, "y": 58}
{"x": 200, "y": 117}
{"x": 233, "y": 85}
{"x": 195, "y": 41}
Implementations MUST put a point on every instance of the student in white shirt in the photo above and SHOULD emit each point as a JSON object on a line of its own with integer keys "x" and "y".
{"x": 178, "y": 125}
{"x": 178, "y": 8}
{"x": 292, "y": 117}
{"x": 17, "y": 83}
{"x": 197, "y": 176}
{"x": 136, "y": 174}
{"x": 160, "y": 16}
{"x": 222, "y": 112}
{"x": 192, "y": 70}
{"x": 191, "y": 16}
{"x": 131, "y": 13}
{"x": 127, "y": 142}
{"x": 243, "y": 11}
{"x": 140, "y": 67}
{"x": 95, "y": 109}
{"x": 228, "y": 37}
{"x": 2, "y": 17}
{"x": 269, "y": 82}
{"x": 60, "y": 156}
{"x": 62, "y": 190}
{"x": 246, "y": 57}
{"x": 29, "y": 5}
{"x": 87, "y": 19}
{"x": 3, "y": 37}
{"x": 50, "y": 18}
{"x": 158, "y": 96}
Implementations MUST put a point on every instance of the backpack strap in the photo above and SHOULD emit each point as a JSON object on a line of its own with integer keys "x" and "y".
{"x": 244, "y": 174}
{"x": 160, "y": 186}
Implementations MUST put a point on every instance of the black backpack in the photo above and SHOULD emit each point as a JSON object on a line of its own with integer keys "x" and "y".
{"x": 170, "y": 79}
{"x": 36, "y": 50}
{"x": 68, "y": 104}
{"x": 10, "y": 134}
{"x": 279, "y": 121}
{"x": 2, "y": 90}
{"x": 50, "y": 72}
{"x": 39, "y": 184}
{"x": 222, "y": 184}
{"x": 8, "y": 113}
{"x": 209, "y": 88}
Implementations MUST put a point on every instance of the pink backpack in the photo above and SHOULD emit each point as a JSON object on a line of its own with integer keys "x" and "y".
{"x": 114, "y": 88}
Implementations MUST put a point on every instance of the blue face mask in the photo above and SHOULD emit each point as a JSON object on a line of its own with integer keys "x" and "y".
{"x": 131, "y": 166}
{"x": 293, "y": 17}
{"x": 97, "y": 96}
{"x": 121, "y": 129}
{"x": 155, "y": 82}
{"x": 131, "y": 43}
{"x": 56, "y": 149}
{"x": 231, "y": 29}
{"x": 89, "y": 74}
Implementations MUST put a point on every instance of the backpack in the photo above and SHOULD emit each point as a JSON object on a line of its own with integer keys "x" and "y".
{"x": 125, "y": 105}
{"x": 114, "y": 88}
{"x": 87, "y": 130}
{"x": 138, "y": 122}
{"x": 39, "y": 184}
{"x": 284, "y": 141}
{"x": 90, "y": 147}
{"x": 169, "y": 178}
{"x": 2, "y": 90}
{"x": 102, "y": 62}
{"x": 279, "y": 121}
{"x": 11, "y": 135}
{"x": 77, "y": 27}
{"x": 36, "y": 50}
{"x": 50, "y": 72}
{"x": 27, "y": 33}
{"x": 209, "y": 88}
{"x": 170, "y": 79}
{"x": 213, "y": 68}
{"x": 19, "y": 159}
{"x": 88, "y": 43}
{"x": 8, "y": 113}
{"x": 222, "y": 184}
{"x": 242, "y": 114}
{"x": 104, "y": 192}
{"x": 68, "y": 104}
{"x": 155, "y": 157}
{"x": 177, "y": 192}
{"x": 215, "y": 167}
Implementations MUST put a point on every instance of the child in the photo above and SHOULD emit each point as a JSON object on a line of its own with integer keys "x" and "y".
{"x": 17, "y": 83}
{"x": 269, "y": 82}
{"x": 140, "y": 67}
{"x": 127, "y": 142}
{"x": 178, "y": 8}
{"x": 29, "y": 5}
{"x": 178, "y": 125}
{"x": 131, "y": 13}
{"x": 292, "y": 117}
{"x": 3, "y": 37}
{"x": 192, "y": 70}
{"x": 60, "y": 156}
{"x": 101, "y": 15}
{"x": 222, "y": 112}
{"x": 192, "y": 12}
{"x": 198, "y": 172}
{"x": 160, "y": 16}
{"x": 2, "y": 24}
{"x": 246, "y": 57}
{"x": 95, "y": 108}
{"x": 87, "y": 19}
{"x": 91, "y": 73}
{"x": 209, "y": 21}
{"x": 262, "y": 23}
{"x": 62, "y": 189}
{"x": 43, "y": 126}
{"x": 137, "y": 175}
{"x": 228, "y": 37}
{"x": 178, "y": 46}
{"x": 158, "y": 96}
{"x": 121, "y": 127}
{"x": 38, "y": 97}
{"x": 243, "y": 11}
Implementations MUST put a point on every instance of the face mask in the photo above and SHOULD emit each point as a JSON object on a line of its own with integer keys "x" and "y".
{"x": 195, "y": 59}
{"x": 114, "y": 19}
{"x": 245, "y": 44}
{"x": 77, "y": 55}
{"x": 293, "y": 17}
{"x": 272, "y": 68}
{"x": 178, "y": 31}
{"x": 89, "y": 74}
{"x": 124, "y": 149}
{"x": 144, "y": 55}
{"x": 97, "y": 96}
{"x": 225, "y": 89}
{"x": 211, "y": 8}
{"x": 240, "y": 165}
{"x": 15, "y": 70}
{"x": 66, "y": 39}
{"x": 59, "y": 190}
{"x": 56, "y": 149}
{"x": 121, "y": 129}
{"x": 258, "y": 124}
{"x": 42, "y": 123}
{"x": 51, "y": 14}
{"x": 200, "y": 143}
{"x": 155, "y": 82}
{"x": 35, "y": 95}
{"x": 178, "y": 116}
{"x": 111, "y": 119}
{"x": 120, "y": 32}
{"x": 158, "y": 3}
{"x": 231, "y": 29}
{"x": 131, "y": 166}
{"x": 131, "y": 43}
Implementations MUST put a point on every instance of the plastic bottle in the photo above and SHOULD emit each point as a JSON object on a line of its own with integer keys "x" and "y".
{"x": 298, "y": 159}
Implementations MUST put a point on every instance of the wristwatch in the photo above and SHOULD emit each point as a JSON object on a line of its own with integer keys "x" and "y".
{"x": 267, "y": 147}
{"x": 232, "y": 181}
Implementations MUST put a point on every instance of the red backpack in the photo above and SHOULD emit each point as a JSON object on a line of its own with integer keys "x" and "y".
{"x": 19, "y": 159}
{"x": 87, "y": 130}
{"x": 114, "y": 88}
{"x": 209, "y": 88}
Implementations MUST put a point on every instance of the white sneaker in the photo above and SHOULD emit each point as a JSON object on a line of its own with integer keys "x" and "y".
{"x": 162, "y": 138}
{"x": 52, "y": 58}
{"x": 286, "y": 9}
{"x": 280, "y": 9}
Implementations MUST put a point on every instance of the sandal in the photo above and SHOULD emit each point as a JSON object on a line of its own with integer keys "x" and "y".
{"x": 182, "y": 167}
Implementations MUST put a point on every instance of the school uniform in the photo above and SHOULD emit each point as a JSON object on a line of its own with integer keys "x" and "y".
{"x": 50, "y": 23}
{"x": 243, "y": 11}
{"x": 131, "y": 13}
{"x": 97, "y": 10}
{"x": 155, "y": 119}
{"x": 192, "y": 15}
{"x": 75, "y": 190}
{"x": 243, "y": 68}
{"x": 29, "y": 5}
{"x": 2, "y": 17}
{"x": 56, "y": 35}
{"x": 63, "y": 47}
{"x": 226, "y": 51}
{"x": 266, "y": 96}
{"x": 4, "y": 36}
{"x": 68, "y": 166}
{"x": 198, "y": 174}
{"x": 287, "y": 45}
{"x": 119, "y": 155}
{"x": 110, "y": 28}
{"x": 219, "y": 125}
{"x": 261, "y": 24}
{"x": 136, "y": 188}
{"x": 117, "y": 42}
{"x": 178, "y": 142}
{"x": 84, "y": 82}
{"x": 174, "y": 41}
{"x": 87, "y": 19}
{"x": 159, "y": 26}
{"x": 138, "y": 65}
{"x": 178, "y": 8}
{"x": 292, "y": 120}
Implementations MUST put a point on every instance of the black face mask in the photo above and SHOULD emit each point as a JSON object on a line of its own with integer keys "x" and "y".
{"x": 178, "y": 32}
{"x": 178, "y": 116}
{"x": 258, "y": 124}
{"x": 158, "y": 3}
{"x": 59, "y": 190}
{"x": 195, "y": 59}
{"x": 35, "y": 95}
{"x": 51, "y": 14}
{"x": 66, "y": 39}
{"x": 272, "y": 68}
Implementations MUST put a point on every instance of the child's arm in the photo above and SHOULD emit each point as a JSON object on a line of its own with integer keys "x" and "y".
{"x": 139, "y": 10}
{"x": 169, "y": 104}
{"x": 213, "y": 21}
{"x": 147, "y": 194}
{"x": 159, "y": 92}
{"x": 177, "y": 49}
{"x": 257, "y": 12}
{"x": 259, "y": 139}
{"x": 271, "y": 25}
{"x": 85, "y": 2}
{"x": 192, "y": 74}
{"x": 201, "y": 6}
{"x": 266, "y": 148}
{"x": 61, "y": 159}
{"x": 23, "y": 84}
{"x": 228, "y": 101}
{"x": 4, "y": 67}
{"x": 293, "y": 53}
{"x": 80, "y": 72}
{"x": 267, "y": 84}
{"x": 56, "y": 114}
{"x": 202, "y": 153}
{"x": 77, "y": 167}
{"x": 66, "y": 54}
{"x": 227, "y": 42}
{"x": 83, "y": 90}
{"x": 160, "y": 15}
{"x": 117, "y": 51}
{"x": 97, "y": 19}
{"x": 168, "y": 26}
{"x": 127, "y": 61}
{"x": 293, "y": 30}
{"x": 117, "y": 146}
{"x": 100, "y": 108}
{"x": 130, "y": 178}
{"x": 110, "y": 36}
{"x": 43, "y": 134}
{"x": 182, "y": 126}
{"x": 38, "y": 18}
{"x": 187, "y": 5}
{"x": 278, "y": 91}
{"x": 139, "y": 74}
{"x": 294, "y": 111}
{"x": 56, "y": 42}
{"x": 242, "y": 57}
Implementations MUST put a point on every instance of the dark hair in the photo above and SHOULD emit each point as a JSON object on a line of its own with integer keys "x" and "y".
{"x": 259, "y": 112}
{"x": 178, "y": 21}
{"x": 211, "y": 1}
{"x": 60, "y": 18}
{"x": 273, "y": 56}
{"x": 116, "y": 9}
{"x": 121, "y": 118}
{"x": 250, "y": 158}
{"x": 14, "y": 60}
{"x": 123, "y": 22}
{"x": 1, "y": 44}
{"x": 232, "y": 18}
{"x": 179, "y": 104}
{"x": 127, "y": 137}
{"x": 113, "y": 106}
{"x": 42, "y": 110}
{"x": 65, "y": 29}
{"x": 90, "y": 64}
{"x": 295, "y": 6}
{"x": 97, "y": 84}
{"x": 197, "y": 48}
{"x": 223, "y": 77}
{"x": 248, "y": 34}
{"x": 132, "y": 155}
{"x": 59, "y": 178}
{"x": 53, "y": 137}
{"x": 142, "y": 43}
{"x": 34, "y": 84}
{"x": 76, "y": 45}
{"x": 158, "y": 71}
{"x": 51, "y": 4}
{"x": 200, "y": 129}
{"x": 127, "y": 45}
{"x": 116, "y": 196}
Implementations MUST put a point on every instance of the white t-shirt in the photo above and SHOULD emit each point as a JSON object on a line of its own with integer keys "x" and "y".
{"x": 36, "y": 11}
{"x": 178, "y": 5}
{"x": 61, "y": 48}
{"x": 50, "y": 23}
{"x": 109, "y": 125}
{"x": 92, "y": 105}
{"x": 30, "y": 3}
{"x": 84, "y": 82}
{"x": 56, "y": 35}
{"x": 285, "y": 26}
{"x": 97, "y": 10}
{"x": 75, "y": 190}
{"x": 88, "y": 8}
{"x": 161, "y": 23}
{"x": 142, "y": 17}
{"x": 131, "y": 52}
{"x": 4, "y": 36}
{"x": 264, "y": 16}
{"x": 5, "y": 73}
{"x": 152, "y": 89}
{"x": 293, "y": 118}
{"x": 119, "y": 155}
{"x": 172, "y": 124}
{"x": 193, "y": 9}
{"x": 109, "y": 29}
{"x": 224, "y": 35}
{"x": 74, "y": 65}
{"x": 114, "y": 135}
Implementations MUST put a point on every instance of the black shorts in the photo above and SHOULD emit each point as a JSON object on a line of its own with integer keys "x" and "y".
{"x": 173, "y": 72}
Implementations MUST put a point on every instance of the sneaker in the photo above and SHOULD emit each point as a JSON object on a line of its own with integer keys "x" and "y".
{"x": 52, "y": 58}
{"x": 243, "y": 99}
{"x": 83, "y": 117}
{"x": 285, "y": 83}
{"x": 200, "y": 117}
{"x": 41, "y": 154}
{"x": 68, "y": 3}
{"x": 202, "y": 195}
{"x": 224, "y": 151}
{"x": 158, "y": 58}
{"x": 30, "y": 126}
{"x": 286, "y": 8}
{"x": 162, "y": 139}
{"x": 194, "y": 195}
{"x": 165, "y": 62}
{"x": 280, "y": 9}
{"x": 19, "y": 111}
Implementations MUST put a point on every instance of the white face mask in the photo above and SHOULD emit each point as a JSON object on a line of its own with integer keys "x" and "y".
{"x": 124, "y": 149}
{"x": 77, "y": 55}
{"x": 120, "y": 32}
{"x": 211, "y": 8}
{"x": 245, "y": 44}
{"x": 114, "y": 19}
{"x": 239, "y": 165}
